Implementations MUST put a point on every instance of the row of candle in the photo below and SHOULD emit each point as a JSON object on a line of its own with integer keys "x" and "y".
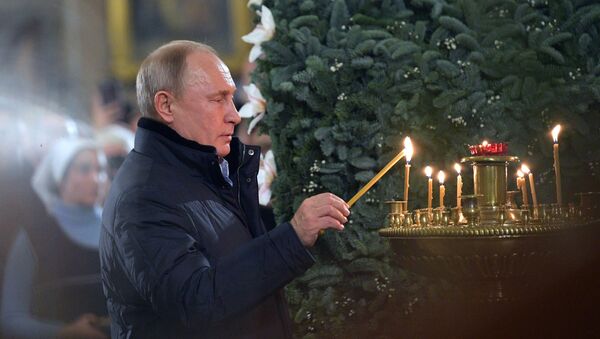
{"x": 441, "y": 179}
{"x": 407, "y": 153}
{"x": 525, "y": 171}
{"x": 521, "y": 184}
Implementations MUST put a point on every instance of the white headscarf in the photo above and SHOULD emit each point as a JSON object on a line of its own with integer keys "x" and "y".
{"x": 51, "y": 171}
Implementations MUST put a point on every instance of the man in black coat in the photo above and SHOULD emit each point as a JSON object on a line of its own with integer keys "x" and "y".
{"x": 183, "y": 251}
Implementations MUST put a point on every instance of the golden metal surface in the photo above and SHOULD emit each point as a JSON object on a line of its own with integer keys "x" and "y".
{"x": 489, "y": 179}
{"x": 503, "y": 158}
{"x": 491, "y": 231}
{"x": 397, "y": 206}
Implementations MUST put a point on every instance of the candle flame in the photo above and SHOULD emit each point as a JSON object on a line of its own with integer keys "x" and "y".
{"x": 428, "y": 171}
{"x": 520, "y": 173}
{"x": 555, "y": 132}
{"x": 408, "y": 149}
{"x": 484, "y": 143}
{"x": 525, "y": 169}
{"x": 441, "y": 177}
{"x": 457, "y": 168}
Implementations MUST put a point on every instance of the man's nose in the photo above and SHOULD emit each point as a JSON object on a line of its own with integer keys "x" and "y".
{"x": 233, "y": 115}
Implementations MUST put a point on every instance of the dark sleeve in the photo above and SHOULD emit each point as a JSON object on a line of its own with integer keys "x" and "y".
{"x": 169, "y": 272}
{"x": 267, "y": 216}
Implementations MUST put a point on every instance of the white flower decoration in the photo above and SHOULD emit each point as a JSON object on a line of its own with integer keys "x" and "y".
{"x": 255, "y": 107}
{"x": 263, "y": 32}
{"x": 254, "y": 2}
{"x": 266, "y": 174}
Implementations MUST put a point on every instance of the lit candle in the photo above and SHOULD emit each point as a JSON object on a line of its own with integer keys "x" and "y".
{"x": 526, "y": 170}
{"x": 523, "y": 186}
{"x": 441, "y": 178}
{"x": 458, "y": 185}
{"x": 376, "y": 178}
{"x": 555, "y": 132}
{"x": 408, "y": 150}
{"x": 428, "y": 173}
{"x": 373, "y": 181}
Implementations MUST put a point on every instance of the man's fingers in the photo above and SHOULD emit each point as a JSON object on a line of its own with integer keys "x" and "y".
{"x": 329, "y": 222}
{"x": 325, "y": 199}
{"x": 338, "y": 202}
{"x": 331, "y": 211}
{"x": 343, "y": 206}
{"x": 317, "y": 213}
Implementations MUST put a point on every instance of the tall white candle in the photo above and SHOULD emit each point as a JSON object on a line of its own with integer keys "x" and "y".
{"x": 555, "y": 132}
{"x": 458, "y": 185}
{"x": 523, "y": 186}
{"x": 408, "y": 150}
{"x": 428, "y": 173}
{"x": 441, "y": 178}
{"x": 526, "y": 170}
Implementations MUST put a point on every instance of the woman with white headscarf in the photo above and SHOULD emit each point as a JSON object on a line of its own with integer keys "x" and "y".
{"x": 52, "y": 284}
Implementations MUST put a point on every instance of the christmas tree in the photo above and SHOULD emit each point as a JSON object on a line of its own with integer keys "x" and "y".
{"x": 346, "y": 80}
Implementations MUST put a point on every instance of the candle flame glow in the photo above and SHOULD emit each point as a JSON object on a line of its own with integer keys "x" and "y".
{"x": 520, "y": 173}
{"x": 441, "y": 177}
{"x": 484, "y": 143}
{"x": 428, "y": 171}
{"x": 408, "y": 149}
{"x": 555, "y": 132}
{"x": 525, "y": 169}
{"x": 457, "y": 168}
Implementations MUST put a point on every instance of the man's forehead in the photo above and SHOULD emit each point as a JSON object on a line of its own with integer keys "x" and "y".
{"x": 198, "y": 75}
{"x": 224, "y": 70}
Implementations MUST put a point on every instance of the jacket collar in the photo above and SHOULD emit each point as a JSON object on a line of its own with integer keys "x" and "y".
{"x": 165, "y": 145}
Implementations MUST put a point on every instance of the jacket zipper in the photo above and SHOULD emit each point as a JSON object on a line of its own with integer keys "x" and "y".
{"x": 239, "y": 187}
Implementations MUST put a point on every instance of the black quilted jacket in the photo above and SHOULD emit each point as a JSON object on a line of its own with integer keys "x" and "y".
{"x": 185, "y": 255}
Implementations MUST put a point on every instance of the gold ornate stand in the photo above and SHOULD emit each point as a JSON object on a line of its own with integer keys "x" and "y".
{"x": 500, "y": 272}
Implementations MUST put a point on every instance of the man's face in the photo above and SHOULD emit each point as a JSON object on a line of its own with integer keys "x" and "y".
{"x": 204, "y": 112}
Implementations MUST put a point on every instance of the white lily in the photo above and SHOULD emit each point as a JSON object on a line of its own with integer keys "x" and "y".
{"x": 266, "y": 174}
{"x": 255, "y": 107}
{"x": 261, "y": 33}
{"x": 254, "y": 2}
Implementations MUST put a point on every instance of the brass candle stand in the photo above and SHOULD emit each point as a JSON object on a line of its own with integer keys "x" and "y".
{"x": 491, "y": 210}
{"x": 492, "y": 256}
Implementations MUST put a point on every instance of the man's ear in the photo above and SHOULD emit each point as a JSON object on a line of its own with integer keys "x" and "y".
{"x": 163, "y": 103}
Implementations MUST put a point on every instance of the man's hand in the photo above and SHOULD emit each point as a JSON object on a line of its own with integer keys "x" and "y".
{"x": 319, "y": 212}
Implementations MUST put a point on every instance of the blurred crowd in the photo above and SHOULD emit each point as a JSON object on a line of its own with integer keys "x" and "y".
{"x": 54, "y": 174}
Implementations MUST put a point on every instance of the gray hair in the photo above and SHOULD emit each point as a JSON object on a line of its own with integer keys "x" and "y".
{"x": 163, "y": 70}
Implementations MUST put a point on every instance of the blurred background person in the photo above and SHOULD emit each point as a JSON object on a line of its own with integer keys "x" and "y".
{"x": 110, "y": 107}
{"x": 52, "y": 284}
{"x": 116, "y": 141}
{"x": 114, "y": 120}
{"x": 26, "y": 134}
